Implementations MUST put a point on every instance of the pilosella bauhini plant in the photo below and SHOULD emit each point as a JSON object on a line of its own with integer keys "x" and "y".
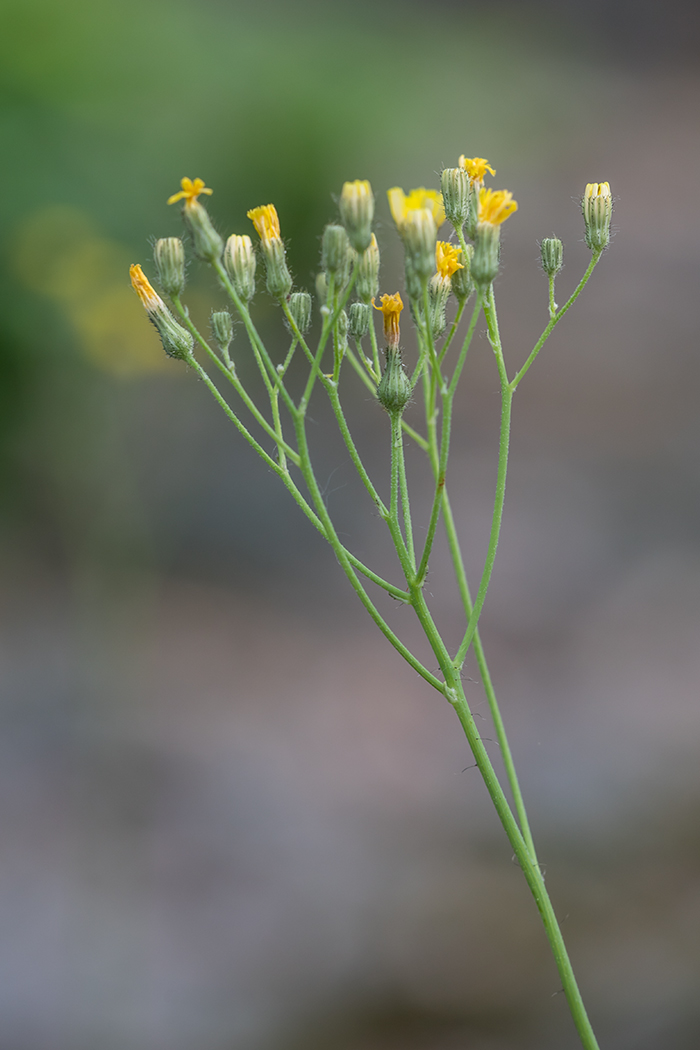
{"x": 440, "y": 275}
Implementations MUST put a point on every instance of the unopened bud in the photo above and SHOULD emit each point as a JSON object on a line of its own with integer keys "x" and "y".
{"x": 462, "y": 281}
{"x": 342, "y": 337}
{"x": 419, "y": 234}
{"x": 177, "y": 341}
{"x": 597, "y": 206}
{"x": 239, "y": 260}
{"x": 455, "y": 195}
{"x": 487, "y": 252}
{"x": 208, "y": 245}
{"x": 439, "y": 292}
{"x": 367, "y": 272}
{"x": 321, "y": 288}
{"x": 552, "y": 251}
{"x": 279, "y": 279}
{"x": 394, "y": 389}
{"x": 222, "y": 327}
{"x": 359, "y": 319}
{"x": 169, "y": 257}
{"x": 300, "y": 308}
{"x": 356, "y": 212}
{"x": 335, "y": 249}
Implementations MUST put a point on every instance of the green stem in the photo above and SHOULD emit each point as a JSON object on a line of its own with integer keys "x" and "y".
{"x": 397, "y": 444}
{"x": 340, "y": 552}
{"x": 486, "y": 680}
{"x": 556, "y": 319}
{"x": 230, "y": 373}
{"x": 503, "y": 447}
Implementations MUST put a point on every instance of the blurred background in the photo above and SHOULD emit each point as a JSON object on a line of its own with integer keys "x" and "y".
{"x": 231, "y": 818}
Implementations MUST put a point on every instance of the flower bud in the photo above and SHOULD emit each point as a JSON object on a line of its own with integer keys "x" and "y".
{"x": 455, "y": 195}
{"x": 419, "y": 234}
{"x": 439, "y": 292}
{"x": 169, "y": 257}
{"x": 356, "y": 213}
{"x": 335, "y": 249}
{"x": 487, "y": 254}
{"x": 597, "y": 205}
{"x": 321, "y": 288}
{"x": 342, "y": 332}
{"x": 367, "y": 272}
{"x": 208, "y": 245}
{"x": 177, "y": 341}
{"x": 300, "y": 308}
{"x": 394, "y": 389}
{"x": 552, "y": 255}
{"x": 239, "y": 260}
{"x": 222, "y": 327}
{"x": 279, "y": 279}
{"x": 462, "y": 281}
{"x": 359, "y": 319}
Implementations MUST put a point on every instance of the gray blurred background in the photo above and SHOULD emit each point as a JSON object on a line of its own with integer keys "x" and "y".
{"x": 230, "y": 817}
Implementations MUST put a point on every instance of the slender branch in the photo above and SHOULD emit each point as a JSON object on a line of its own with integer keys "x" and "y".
{"x": 556, "y": 319}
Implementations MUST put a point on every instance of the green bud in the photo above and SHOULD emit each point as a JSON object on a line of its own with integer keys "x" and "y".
{"x": 552, "y": 255}
{"x": 462, "y": 281}
{"x": 239, "y": 260}
{"x": 439, "y": 291}
{"x": 367, "y": 269}
{"x": 222, "y": 327}
{"x": 414, "y": 285}
{"x": 321, "y": 288}
{"x": 279, "y": 279}
{"x": 359, "y": 320}
{"x": 300, "y": 309}
{"x": 597, "y": 206}
{"x": 342, "y": 332}
{"x": 356, "y": 213}
{"x": 394, "y": 389}
{"x": 335, "y": 249}
{"x": 455, "y": 195}
{"x": 169, "y": 257}
{"x": 419, "y": 235}
{"x": 177, "y": 341}
{"x": 208, "y": 245}
{"x": 487, "y": 253}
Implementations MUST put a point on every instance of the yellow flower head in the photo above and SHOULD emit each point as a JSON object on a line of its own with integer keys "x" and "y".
{"x": 148, "y": 295}
{"x": 356, "y": 191}
{"x": 475, "y": 167}
{"x": 447, "y": 258}
{"x": 191, "y": 189}
{"x": 495, "y": 206}
{"x": 266, "y": 222}
{"x": 391, "y": 308}
{"x": 401, "y": 204}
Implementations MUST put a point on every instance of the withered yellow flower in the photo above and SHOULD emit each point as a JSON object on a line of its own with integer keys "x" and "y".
{"x": 475, "y": 167}
{"x": 401, "y": 204}
{"x": 391, "y": 307}
{"x": 191, "y": 189}
{"x": 447, "y": 258}
{"x": 146, "y": 293}
{"x": 266, "y": 222}
{"x": 495, "y": 206}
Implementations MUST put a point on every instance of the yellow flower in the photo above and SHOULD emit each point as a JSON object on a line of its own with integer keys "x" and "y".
{"x": 401, "y": 205}
{"x": 391, "y": 307}
{"x": 447, "y": 258}
{"x": 475, "y": 167}
{"x": 495, "y": 206}
{"x": 357, "y": 191}
{"x": 191, "y": 189}
{"x": 148, "y": 295}
{"x": 266, "y": 222}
